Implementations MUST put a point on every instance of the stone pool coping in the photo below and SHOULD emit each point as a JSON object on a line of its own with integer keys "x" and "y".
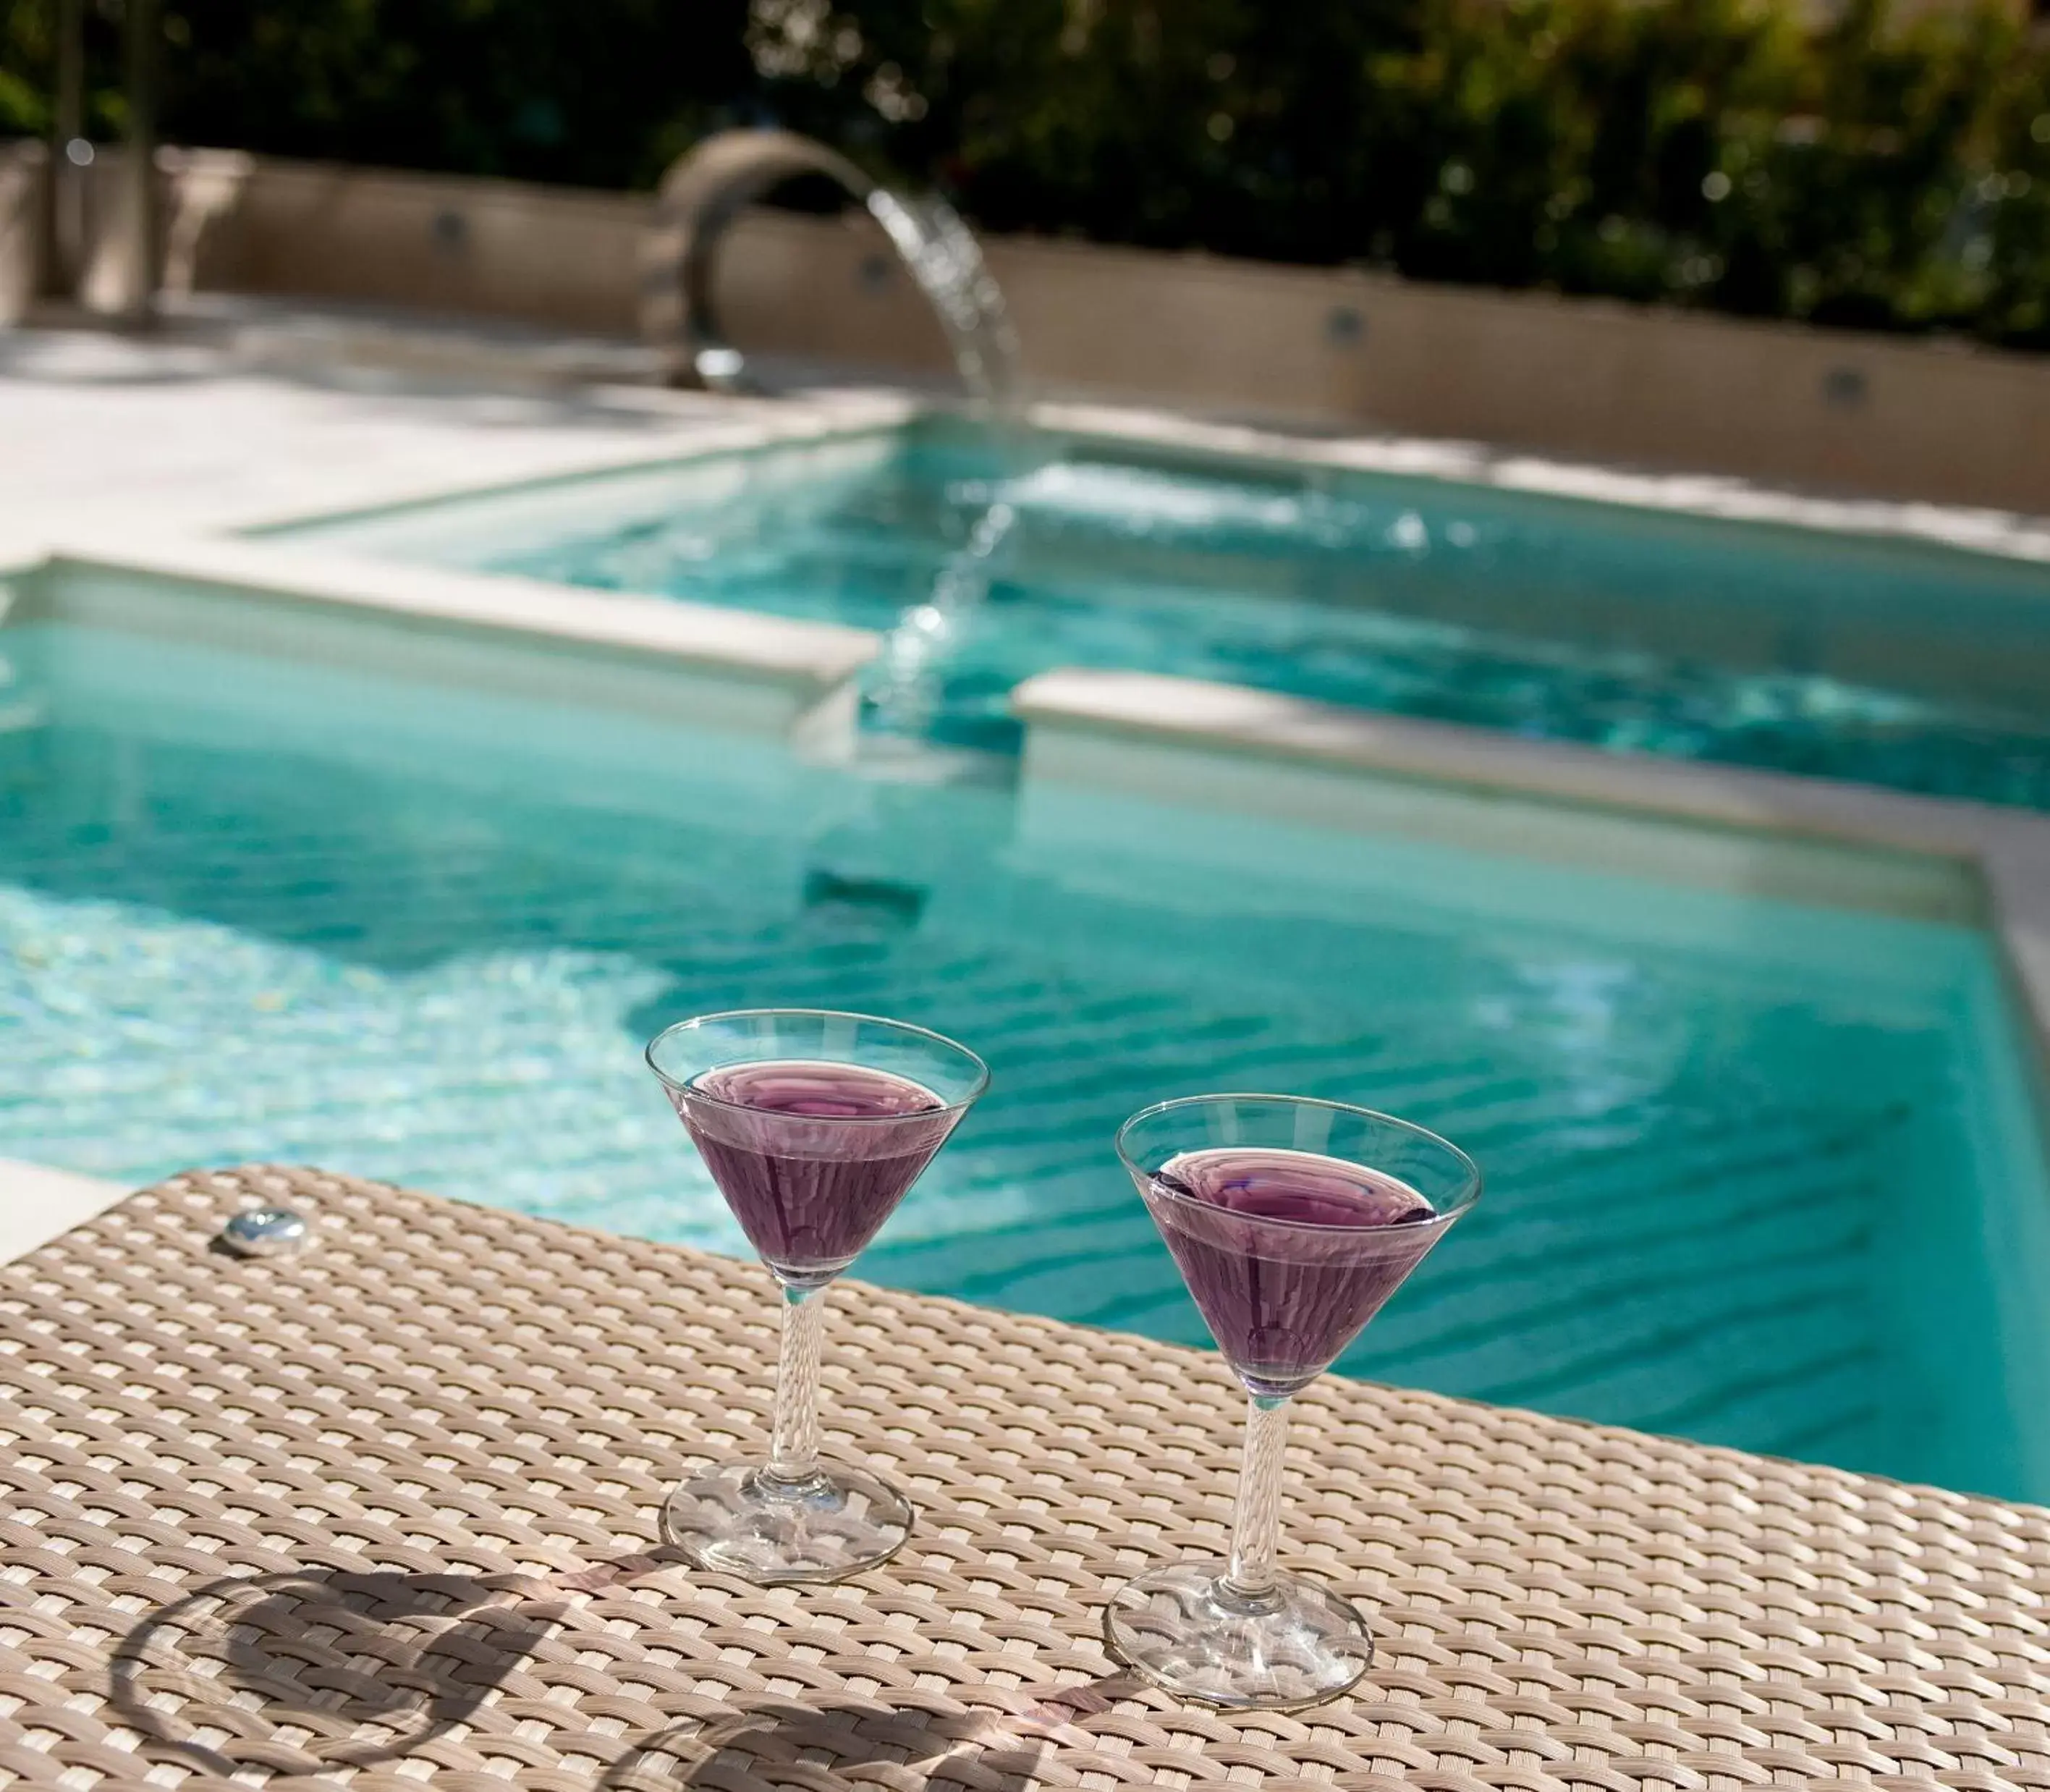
{"x": 38, "y": 1202}
{"x": 716, "y": 425}
{"x": 1770, "y": 833}
{"x": 221, "y": 582}
{"x": 822, "y": 414}
{"x": 1715, "y": 497}
{"x": 728, "y": 667}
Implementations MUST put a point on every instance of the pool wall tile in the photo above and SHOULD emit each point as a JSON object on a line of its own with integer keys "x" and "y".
{"x": 715, "y": 668}
{"x": 1807, "y": 840}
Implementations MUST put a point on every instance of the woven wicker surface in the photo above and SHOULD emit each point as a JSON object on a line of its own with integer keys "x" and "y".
{"x": 384, "y": 1513}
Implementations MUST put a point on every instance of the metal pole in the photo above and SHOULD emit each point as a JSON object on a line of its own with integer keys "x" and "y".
{"x": 144, "y": 216}
{"x": 70, "y": 154}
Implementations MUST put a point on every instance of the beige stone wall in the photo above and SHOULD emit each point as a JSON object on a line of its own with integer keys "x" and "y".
{"x": 553, "y": 256}
{"x": 1826, "y": 410}
{"x": 1779, "y": 404}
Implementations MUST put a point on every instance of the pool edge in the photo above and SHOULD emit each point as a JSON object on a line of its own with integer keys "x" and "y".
{"x": 1258, "y": 752}
{"x": 39, "y": 1201}
{"x": 724, "y": 668}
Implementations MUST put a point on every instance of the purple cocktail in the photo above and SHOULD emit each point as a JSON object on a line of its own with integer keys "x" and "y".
{"x": 814, "y": 1125}
{"x": 1264, "y": 1239}
{"x": 792, "y": 1145}
{"x": 1292, "y": 1221}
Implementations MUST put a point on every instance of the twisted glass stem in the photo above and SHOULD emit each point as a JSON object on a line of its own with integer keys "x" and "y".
{"x": 1256, "y": 1529}
{"x": 793, "y": 1450}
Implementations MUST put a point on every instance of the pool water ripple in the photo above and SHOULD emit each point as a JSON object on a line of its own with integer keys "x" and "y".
{"x": 1921, "y": 668}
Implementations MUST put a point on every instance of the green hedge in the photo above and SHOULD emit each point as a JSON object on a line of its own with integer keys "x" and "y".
{"x": 1710, "y": 153}
{"x": 595, "y": 93}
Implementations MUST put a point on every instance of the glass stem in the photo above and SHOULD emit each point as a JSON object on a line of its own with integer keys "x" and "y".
{"x": 793, "y": 1452}
{"x": 1256, "y": 1529}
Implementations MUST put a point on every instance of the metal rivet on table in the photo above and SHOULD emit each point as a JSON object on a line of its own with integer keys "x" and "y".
{"x": 266, "y": 1232}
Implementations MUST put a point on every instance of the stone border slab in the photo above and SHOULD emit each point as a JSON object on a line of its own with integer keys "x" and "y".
{"x": 718, "y": 667}
{"x": 1814, "y": 840}
{"x": 1716, "y": 496}
{"x": 812, "y": 411}
{"x": 37, "y": 1203}
{"x": 720, "y": 425}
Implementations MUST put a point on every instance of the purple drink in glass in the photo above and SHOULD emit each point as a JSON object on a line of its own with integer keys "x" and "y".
{"x": 794, "y": 1146}
{"x": 814, "y": 1123}
{"x": 1255, "y": 1233}
{"x": 1292, "y": 1220}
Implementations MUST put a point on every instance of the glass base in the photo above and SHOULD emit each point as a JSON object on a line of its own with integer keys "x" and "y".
{"x": 738, "y": 1521}
{"x": 1182, "y": 1628}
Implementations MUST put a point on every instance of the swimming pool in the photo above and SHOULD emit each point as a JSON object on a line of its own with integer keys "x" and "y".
{"x": 988, "y": 557}
{"x": 1760, "y": 1173}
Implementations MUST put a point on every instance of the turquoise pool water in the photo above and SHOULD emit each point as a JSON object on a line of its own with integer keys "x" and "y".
{"x": 988, "y": 559}
{"x": 1760, "y": 1174}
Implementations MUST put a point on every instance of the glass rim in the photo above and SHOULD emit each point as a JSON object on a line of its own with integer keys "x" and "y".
{"x": 1468, "y": 1195}
{"x": 688, "y": 1085}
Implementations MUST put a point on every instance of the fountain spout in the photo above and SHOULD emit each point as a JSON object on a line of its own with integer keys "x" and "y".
{"x": 708, "y": 187}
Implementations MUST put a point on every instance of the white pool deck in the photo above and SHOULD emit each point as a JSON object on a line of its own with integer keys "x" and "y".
{"x": 128, "y": 469}
{"x": 102, "y": 437}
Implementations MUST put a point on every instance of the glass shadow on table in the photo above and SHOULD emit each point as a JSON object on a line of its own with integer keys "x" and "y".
{"x": 782, "y": 1742}
{"x": 330, "y": 1650}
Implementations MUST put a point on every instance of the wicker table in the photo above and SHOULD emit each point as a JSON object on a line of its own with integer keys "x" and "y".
{"x": 383, "y": 1513}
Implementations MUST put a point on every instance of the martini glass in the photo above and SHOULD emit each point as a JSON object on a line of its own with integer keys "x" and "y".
{"x": 814, "y": 1125}
{"x": 1292, "y": 1221}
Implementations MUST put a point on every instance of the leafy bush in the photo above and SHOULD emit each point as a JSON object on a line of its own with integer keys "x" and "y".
{"x": 1732, "y": 153}
{"x": 600, "y": 92}
{"x": 1891, "y": 174}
